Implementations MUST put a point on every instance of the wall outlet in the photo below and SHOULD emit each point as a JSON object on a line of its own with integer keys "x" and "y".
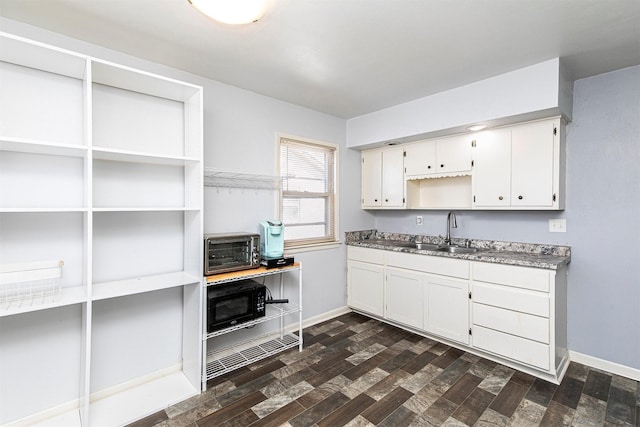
{"x": 558, "y": 225}
{"x": 419, "y": 220}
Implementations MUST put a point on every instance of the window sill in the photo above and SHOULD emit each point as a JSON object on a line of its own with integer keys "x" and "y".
{"x": 312, "y": 247}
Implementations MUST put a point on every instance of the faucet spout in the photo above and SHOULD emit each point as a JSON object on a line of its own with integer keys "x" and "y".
{"x": 451, "y": 223}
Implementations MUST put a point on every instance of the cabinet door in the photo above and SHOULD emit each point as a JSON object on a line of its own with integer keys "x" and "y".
{"x": 403, "y": 294}
{"x": 453, "y": 154}
{"x": 420, "y": 158}
{"x": 492, "y": 169}
{"x": 532, "y": 148}
{"x": 393, "y": 177}
{"x": 446, "y": 308}
{"x": 365, "y": 287}
{"x": 372, "y": 178}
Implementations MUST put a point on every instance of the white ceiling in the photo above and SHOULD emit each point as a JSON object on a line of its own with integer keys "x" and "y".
{"x": 350, "y": 57}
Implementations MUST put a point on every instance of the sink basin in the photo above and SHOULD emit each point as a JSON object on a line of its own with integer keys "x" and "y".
{"x": 458, "y": 249}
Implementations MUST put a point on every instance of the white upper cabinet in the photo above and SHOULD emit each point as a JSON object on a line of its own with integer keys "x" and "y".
{"x": 533, "y": 164}
{"x": 425, "y": 159}
{"x": 492, "y": 169}
{"x": 453, "y": 155}
{"x": 383, "y": 178}
{"x": 520, "y": 167}
{"x": 420, "y": 158}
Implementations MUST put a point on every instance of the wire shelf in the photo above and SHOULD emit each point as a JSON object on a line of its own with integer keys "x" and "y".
{"x": 27, "y": 284}
{"x": 219, "y": 178}
{"x": 219, "y": 364}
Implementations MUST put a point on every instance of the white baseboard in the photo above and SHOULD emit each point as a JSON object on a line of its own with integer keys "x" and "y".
{"x": 605, "y": 365}
{"x": 325, "y": 316}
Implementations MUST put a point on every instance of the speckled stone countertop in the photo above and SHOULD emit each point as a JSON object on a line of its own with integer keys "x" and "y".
{"x": 523, "y": 254}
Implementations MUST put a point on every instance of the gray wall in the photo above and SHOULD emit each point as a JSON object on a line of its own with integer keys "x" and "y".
{"x": 602, "y": 213}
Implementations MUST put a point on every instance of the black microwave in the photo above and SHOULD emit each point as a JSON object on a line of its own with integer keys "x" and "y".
{"x": 234, "y": 303}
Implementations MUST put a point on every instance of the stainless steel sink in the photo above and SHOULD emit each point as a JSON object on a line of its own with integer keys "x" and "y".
{"x": 458, "y": 249}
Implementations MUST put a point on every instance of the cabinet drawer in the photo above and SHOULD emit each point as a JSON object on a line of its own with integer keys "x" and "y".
{"x": 512, "y": 322}
{"x": 521, "y": 277}
{"x": 430, "y": 264}
{"x": 519, "y": 349}
{"x": 374, "y": 256}
{"x": 530, "y": 302}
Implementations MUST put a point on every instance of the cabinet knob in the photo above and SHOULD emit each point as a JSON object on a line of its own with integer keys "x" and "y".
{"x": 442, "y": 165}
{"x": 386, "y": 200}
{"x": 375, "y": 200}
{"x": 519, "y": 197}
{"x": 429, "y": 167}
{"x": 500, "y": 197}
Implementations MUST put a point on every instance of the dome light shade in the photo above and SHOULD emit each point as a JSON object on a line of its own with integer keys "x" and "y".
{"x": 476, "y": 128}
{"x": 234, "y": 12}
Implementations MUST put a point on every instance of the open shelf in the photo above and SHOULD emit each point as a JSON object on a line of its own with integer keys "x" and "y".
{"x": 117, "y": 155}
{"x": 23, "y": 145}
{"x": 249, "y": 274}
{"x": 117, "y": 288}
{"x": 227, "y": 359}
{"x": 141, "y": 400}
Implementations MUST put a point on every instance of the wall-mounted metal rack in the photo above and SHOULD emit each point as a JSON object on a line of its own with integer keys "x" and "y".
{"x": 226, "y": 179}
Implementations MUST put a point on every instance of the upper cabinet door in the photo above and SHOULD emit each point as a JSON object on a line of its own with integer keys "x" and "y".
{"x": 372, "y": 178}
{"x": 393, "y": 177}
{"x": 453, "y": 154}
{"x": 532, "y": 164}
{"x": 492, "y": 169}
{"x": 420, "y": 158}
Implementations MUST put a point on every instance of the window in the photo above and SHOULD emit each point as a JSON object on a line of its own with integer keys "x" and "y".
{"x": 308, "y": 205}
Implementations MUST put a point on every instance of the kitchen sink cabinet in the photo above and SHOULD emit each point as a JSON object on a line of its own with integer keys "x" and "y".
{"x": 113, "y": 169}
{"x": 514, "y": 315}
{"x": 446, "y": 308}
{"x": 520, "y": 167}
{"x": 383, "y": 178}
{"x": 403, "y": 292}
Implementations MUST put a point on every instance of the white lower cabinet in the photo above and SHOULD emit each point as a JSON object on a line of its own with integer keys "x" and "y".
{"x": 514, "y": 315}
{"x": 519, "y": 313}
{"x": 446, "y": 308}
{"x": 366, "y": 280}
{"x": 403, "y": 297}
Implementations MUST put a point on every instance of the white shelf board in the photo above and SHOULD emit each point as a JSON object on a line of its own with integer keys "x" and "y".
{"x": 116, "y": 155}
{"x": 32, "y": 54}
{"x": 68, "y": 296}
{"x": 42, "y": 210}
{"x": 118, "y": 288}
{"x": 22, "y": 145}
{"x": 140, "y": 401}
{"x": 146, "y": 209}
{"x": 122, "y": 77}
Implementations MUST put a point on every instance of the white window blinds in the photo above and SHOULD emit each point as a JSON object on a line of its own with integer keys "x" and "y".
{"x": 308, "y": 192}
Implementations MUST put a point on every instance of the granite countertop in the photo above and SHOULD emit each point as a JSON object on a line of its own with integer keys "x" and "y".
{"x": 535, "y": 255}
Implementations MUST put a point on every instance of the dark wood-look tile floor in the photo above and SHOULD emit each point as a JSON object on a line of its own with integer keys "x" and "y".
{"x": 357, "y": 371}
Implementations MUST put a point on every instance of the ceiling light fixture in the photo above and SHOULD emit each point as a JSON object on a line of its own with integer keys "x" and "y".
{"x": 234, "y": 12}
{"x": 475, "y": 128}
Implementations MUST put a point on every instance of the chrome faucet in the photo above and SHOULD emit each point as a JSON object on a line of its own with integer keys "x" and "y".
{"x": 451, "y": 216}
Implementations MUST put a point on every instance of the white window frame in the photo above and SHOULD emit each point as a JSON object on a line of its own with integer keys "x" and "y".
{"x": 301, "y": 246}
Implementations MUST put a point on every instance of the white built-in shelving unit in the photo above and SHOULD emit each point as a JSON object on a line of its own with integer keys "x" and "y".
{"x": 100, "y": 167}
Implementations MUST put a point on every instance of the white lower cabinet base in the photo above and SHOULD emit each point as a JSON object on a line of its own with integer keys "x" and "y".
{"x": 509, "y": 314}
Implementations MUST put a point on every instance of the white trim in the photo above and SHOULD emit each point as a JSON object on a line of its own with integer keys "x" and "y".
{"x": 336, "y": 182}
{"x": 319, "y": 318}
{"x": 312, "y": 247}
{"x": 605, "y": 365}
{"x": 66, "y": 414}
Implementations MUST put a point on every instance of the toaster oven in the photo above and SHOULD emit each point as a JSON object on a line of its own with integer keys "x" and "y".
{"x": 230, "y": 252}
